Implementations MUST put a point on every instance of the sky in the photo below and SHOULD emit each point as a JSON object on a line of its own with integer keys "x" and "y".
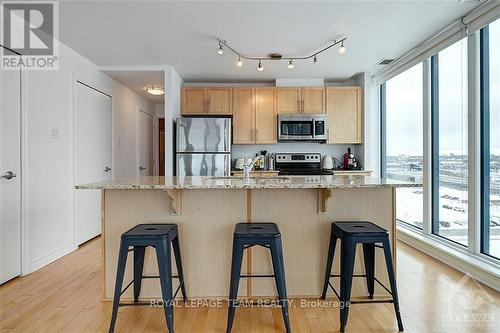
{"x": 404, "y": 102}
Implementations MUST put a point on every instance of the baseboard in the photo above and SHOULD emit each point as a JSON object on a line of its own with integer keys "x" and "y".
{"x": 450, "y": 258}
{"x": 37, "y": 264}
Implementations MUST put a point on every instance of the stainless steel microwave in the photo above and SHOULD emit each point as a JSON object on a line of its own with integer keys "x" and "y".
{"x": 302, "y": 127}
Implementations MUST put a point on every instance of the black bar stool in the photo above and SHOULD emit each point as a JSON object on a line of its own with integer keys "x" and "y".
{"x": 368, "y": 234}
{"x": 139, "y": 237}
{"x": 266, "y": 235}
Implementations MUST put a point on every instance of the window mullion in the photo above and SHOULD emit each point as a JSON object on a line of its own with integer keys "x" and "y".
{"x": 427, "y": 148}
{"x": 484, "y": 104}
{"x": 434, "y": 144}
{"x": 474, "y": 144}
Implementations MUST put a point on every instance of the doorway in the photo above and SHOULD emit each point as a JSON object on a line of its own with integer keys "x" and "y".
{"x": 10, "y": 173}
{"x": 93, "y": 142}
{"x": 144, "y": 143}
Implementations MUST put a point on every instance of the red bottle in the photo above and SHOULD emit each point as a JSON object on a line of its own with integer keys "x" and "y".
{"x": 346, "y": 158}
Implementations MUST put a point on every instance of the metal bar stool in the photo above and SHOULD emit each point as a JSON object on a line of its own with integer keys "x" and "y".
{"x": 266, "y": 235}
{"x": 139, "y": 237}
{"x": 351, "y": 234}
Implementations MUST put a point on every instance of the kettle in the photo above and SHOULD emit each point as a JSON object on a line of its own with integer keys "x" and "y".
{"x": 327, "y": 162}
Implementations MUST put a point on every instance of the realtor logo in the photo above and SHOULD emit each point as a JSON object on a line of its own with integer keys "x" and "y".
{"x": 29, "y": 29}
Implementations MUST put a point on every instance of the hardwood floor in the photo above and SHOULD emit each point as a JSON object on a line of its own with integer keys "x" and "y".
{"x": 65, "y": 296}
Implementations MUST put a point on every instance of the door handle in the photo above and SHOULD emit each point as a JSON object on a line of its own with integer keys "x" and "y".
{"x": 107, "y": 169}
{"x": 142, "y": 168}
{"x": 9, "y": 175}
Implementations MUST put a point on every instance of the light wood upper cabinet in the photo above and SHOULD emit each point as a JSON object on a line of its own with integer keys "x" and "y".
{"x": 193, "y": 100}
{"x": 289, "y": 100}
{"x": 254, "y": 115}
{"x": 344, "y": 111}
{"x": 313, "y": 100}
{"x": 266, "y": 114}
{"x": 244, "y": 115}
{"x": 293, "y": 100}
{"x": 200, "y": 100}
{"x": 219, "y": 100}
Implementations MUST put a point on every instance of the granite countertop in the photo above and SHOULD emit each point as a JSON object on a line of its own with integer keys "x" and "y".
{"x": 280, "y": 182}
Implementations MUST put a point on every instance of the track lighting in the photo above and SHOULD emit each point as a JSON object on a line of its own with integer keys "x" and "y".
{"x": 278, "y": 57}
{"x": 260, "y": 68}
{"x": 342, "y": 48}
{"x": 220, "y": 51}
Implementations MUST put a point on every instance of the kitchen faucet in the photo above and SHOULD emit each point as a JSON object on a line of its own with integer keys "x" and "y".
{"x": 248, "y": 166}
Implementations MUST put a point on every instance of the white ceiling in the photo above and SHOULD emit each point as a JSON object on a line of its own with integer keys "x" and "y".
{"x": 138, "y": 80}
{"x": 182, "y": 34}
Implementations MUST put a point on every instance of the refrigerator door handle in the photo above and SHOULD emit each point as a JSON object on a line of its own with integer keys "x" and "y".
{"x": 226, "y": 132}
{"x": 227, "y": 165}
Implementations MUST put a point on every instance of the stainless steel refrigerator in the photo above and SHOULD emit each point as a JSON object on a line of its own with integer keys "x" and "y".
{"x": 203, "y": 146}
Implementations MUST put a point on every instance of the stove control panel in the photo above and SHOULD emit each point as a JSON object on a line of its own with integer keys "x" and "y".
{"x": 297, "y": 158}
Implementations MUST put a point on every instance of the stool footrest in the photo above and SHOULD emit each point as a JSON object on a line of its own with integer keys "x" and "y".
{"x": 135, "y": 304}
{"x": 150, "y": 277}
{"x": 359, "y": 275}
{"x": 257, "y": 276}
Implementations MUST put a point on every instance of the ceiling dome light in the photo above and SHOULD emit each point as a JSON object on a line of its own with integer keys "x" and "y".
{"x": 220, "y": 51}
{"x": 290, "y": 64}
{"x": 260, "y": 68}
{"x": 342, "y": 48}
{"x": 239, "y": 63}
{"x": 155, "y": 90}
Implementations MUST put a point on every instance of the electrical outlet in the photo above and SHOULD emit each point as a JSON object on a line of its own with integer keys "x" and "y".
{"x": 54, "y": 133}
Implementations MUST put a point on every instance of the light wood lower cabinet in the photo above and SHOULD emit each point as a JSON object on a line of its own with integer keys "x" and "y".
{"x": 254, "y": 115}
{"x": 345, "y": 116}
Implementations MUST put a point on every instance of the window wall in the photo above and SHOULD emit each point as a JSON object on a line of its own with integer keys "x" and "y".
{"x": 425, "y": 120}
{"x": 490, "y": 58}
{"x": 449, "y": 76}
{"x": 404, "y": 138}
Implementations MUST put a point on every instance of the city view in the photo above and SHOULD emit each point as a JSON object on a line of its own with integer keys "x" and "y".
{"x": 453, "y": 201}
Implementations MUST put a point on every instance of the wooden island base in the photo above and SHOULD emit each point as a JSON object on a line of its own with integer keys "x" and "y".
{"x": 206, "y": 219}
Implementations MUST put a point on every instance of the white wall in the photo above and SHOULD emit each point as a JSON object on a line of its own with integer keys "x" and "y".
{"x": 370, "y": 152}
{"x": 49, "y": 105}
{"x": 173, "y": 86}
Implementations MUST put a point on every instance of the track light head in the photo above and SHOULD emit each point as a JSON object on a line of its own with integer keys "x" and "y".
{"x": 290, "y": 64}
{"x": 342, "y": 48}
{"x": 315, "y": 60}
{"x": 239, "y": 63}
{"x": 220, "y": 51}
{"x": 260, "y": 68}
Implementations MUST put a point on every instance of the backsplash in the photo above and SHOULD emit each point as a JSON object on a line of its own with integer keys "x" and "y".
{"x": 334, "y": 150}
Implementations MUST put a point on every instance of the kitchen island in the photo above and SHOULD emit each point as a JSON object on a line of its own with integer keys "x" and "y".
{"x": 206, "y": 210}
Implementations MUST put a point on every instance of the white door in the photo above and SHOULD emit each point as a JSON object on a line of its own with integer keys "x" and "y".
{"x": 93, "y": 157}
{"x": 144, "y": 144}
{"x": 10, "y": 169}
